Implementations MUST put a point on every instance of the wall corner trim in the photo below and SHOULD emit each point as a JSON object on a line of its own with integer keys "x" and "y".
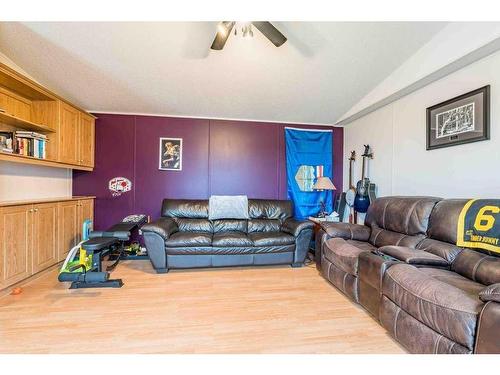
{"x": 468, "y": 59}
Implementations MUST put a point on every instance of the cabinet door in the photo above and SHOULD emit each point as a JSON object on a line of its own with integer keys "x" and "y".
{"x": 44, "y": 236}
{"x": 69, "y": 134}
{"x": 15, "y": 244}
{"x": 68, "y": 227}
{"x": 86, "y": 211}
{"x": 86, "y": 140}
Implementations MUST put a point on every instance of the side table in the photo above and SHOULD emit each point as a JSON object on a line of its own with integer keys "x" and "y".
{"x": 317, "y": 226}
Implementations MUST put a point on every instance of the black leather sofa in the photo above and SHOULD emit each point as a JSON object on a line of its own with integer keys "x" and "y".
{"x": 184, "y": 237}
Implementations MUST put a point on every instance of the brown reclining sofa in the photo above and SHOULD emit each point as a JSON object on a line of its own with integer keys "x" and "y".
{"x": 403, "y": 266}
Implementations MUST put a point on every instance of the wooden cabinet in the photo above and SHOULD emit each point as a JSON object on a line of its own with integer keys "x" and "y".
{"x": 34, "y": 237}
{"x": 68, "y": 227}
{"x": 86, "y": 140}
{"x": 15, "y": 244}
{"x": 69, "y": 135}
{"x": 85, "y": 211}
{"x": 76, "y": 137}
{"x": 44, "y": 236}
{"x": 71, "y": 216}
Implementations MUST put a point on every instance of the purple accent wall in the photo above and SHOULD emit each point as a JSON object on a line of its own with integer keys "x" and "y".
{"x": 219, "y": 157}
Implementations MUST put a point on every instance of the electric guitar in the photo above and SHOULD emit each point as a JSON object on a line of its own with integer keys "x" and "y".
{"x": 362, "y": 198}
{"x": 350, "y": 194}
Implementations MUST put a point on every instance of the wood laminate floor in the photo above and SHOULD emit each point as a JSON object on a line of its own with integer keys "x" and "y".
{"x": 234, "y": 310}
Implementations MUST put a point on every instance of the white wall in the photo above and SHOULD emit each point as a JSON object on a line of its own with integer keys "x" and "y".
{"x": 19, "y": 181}
{"x": 455, "y": 46}
{"x": 397, "y": 134}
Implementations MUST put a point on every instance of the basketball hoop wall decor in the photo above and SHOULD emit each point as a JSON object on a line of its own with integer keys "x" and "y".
{"x": 119, "y": 185}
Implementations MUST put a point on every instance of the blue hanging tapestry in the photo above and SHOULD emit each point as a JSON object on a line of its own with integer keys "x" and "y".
{"x": 308, "y": 156}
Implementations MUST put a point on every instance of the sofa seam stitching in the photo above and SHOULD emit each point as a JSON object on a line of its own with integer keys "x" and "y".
{"x": 394, "y": 327}
{"x": 476, "y": 266}
{"x": 436, "y": 343}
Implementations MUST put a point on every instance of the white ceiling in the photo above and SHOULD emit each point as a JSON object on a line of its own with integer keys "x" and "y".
{"x": 168, "y": 68}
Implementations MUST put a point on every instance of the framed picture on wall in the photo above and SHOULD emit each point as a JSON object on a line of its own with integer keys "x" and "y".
{"x": 171, "y": 154}
{"x": 459, "y": 120}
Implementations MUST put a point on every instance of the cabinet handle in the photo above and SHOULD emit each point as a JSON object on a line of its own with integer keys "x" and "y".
{"x": 31, "y": 210}
{"x": 36, "y": 209}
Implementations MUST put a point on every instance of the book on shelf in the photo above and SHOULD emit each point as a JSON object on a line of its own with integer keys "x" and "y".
{"x": 33, "y": 147}
{"x": 7, "y": 142}
{"x": 30, "y": 134}
{"x": 26, "y": 143}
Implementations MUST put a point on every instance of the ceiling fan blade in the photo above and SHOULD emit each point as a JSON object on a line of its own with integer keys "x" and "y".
{"x": 223, "y": 31}
{"x": 270, "y": 32}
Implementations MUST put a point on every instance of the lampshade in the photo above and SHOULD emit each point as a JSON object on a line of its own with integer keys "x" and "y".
{"x": 324, "y": 183}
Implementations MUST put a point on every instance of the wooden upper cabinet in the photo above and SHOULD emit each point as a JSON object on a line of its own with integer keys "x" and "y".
{"x": 70, "y": 131}
{"x": 86, "y": 140}
{"x": 69, "y": 135}
{"x": 15, "y": 244}
{"x": 44, "y": 236}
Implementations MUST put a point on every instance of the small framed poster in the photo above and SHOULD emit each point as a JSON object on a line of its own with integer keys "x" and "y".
{"x": 460, "y": 120}
{"x": 171, "y": 154}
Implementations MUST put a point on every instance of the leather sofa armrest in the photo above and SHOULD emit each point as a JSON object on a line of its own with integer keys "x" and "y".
{"x": 164, "y": 227}
{"x": 490, "y": 293}
{"x": 294, "y": 227}
{"x": 413, "y": 256}
{"x": 347, "y": 231}
{"x": 487, "y": 338}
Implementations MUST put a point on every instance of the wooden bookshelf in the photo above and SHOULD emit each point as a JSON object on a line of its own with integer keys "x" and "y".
{"x": 16, "y": 158}
{"x": 29, "y": 106}
{"x": 7, "y": 119}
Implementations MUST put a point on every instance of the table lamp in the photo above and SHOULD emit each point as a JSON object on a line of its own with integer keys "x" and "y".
{"x": 323, "y": 183}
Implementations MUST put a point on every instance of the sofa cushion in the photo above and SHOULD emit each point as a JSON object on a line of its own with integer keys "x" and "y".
{"x": 263, "y": 225}
{"x": 476, "y": 266}
{"x": 453, "y": 278}
{"x": 270, "y": 209}
{"x": 194, "y": 225}
{"x": 436, "y": 302}
{"x": 342, "y": 254}
{"x": 230, "y": 225}
{"x": 225, "y": 239}
{"x": 194, "y": 239}
{"x": 362, "y": 245}
{"x": 271, "y": 239}
{"x": 407, "y": 215}
{"x": 188, "y": 208}
{"x": 444, "y": 219}
{"x": 380, "y": 237}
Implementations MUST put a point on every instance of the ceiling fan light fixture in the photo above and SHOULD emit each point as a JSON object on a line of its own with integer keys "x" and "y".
{"x": 224, "y": 29}
{"x": 221, "y": 28}
{"x": 247, "y": 30}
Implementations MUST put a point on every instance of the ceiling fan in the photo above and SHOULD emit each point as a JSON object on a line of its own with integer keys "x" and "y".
{"x": 224, "y": 29}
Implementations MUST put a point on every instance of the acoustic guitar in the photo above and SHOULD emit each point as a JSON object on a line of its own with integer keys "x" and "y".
{"x": 350, "y": 194}
{"x": 362, "y": 198}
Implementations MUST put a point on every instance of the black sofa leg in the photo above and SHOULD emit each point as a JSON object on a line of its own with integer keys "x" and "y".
{"x": 161, "y": 270}
{"x": 297, "y": 264}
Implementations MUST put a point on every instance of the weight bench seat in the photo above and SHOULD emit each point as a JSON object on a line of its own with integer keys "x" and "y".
{"x": 99, "y": 243}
